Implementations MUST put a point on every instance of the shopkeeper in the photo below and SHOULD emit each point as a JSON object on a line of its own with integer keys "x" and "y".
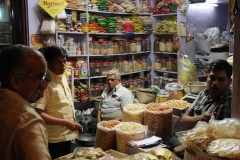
{"x": 214, "y": 102}
{"x": 114, "y": 97}
{"x": 56, "y": 107}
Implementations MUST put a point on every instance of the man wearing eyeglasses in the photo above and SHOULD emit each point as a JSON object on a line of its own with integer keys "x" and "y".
{"x": 56, "y": 107}
{"x": 23, "y": 79}
{"x": 114, "y": 97}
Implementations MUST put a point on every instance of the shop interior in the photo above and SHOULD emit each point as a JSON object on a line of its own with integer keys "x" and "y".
{"x": 164, "y": 60}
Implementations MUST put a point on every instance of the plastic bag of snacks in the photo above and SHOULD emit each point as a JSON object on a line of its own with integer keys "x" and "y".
{"x": 126, "y": 132}
{"x": 106, "y": 135}
{"x": 133, "y": 113}
{"x": 48, "y": 26}
{"x": 158, "y": 117}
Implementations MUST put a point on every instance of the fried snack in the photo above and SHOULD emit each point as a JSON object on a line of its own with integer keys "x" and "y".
{"x": 158, "y": 117}
{"x": 179, "y": 104}
{"x": 126, "y": 132}
{"x": 106, "y": 135}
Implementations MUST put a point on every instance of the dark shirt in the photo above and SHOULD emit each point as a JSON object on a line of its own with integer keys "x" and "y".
{"x": 221, "y": 107}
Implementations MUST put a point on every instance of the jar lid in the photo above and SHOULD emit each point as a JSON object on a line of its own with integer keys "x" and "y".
{"x": 173, "y": 87}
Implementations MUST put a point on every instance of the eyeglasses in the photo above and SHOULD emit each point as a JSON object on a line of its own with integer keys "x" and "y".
{"x": 40, "y": 79}
{"x": 111, "y": 79}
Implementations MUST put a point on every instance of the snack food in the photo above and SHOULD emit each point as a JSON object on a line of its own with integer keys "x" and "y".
{"x": 133, "y": 113}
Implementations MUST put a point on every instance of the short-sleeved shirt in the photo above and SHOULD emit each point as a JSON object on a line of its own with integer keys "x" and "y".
{"x": 221, "y": 107}
{"x": 23, "y": 132}
{"x": 58, "y": 102}
{"x": 113, "y": 102}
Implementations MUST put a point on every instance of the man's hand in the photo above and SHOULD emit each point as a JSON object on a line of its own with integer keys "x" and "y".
{"x": 73, "y": 126}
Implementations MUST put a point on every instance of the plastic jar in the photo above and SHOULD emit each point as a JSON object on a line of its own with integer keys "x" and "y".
{"x": 97, "y": 90}
{"x": 96, "y": 48}
{"x": 104, "y": 47}
{"x": 133, "y": 46}
{"x": 162, "y": 45}
{"x": 110, "y": 47}
{"x": 115, "y": 47}
{"x": 139, "y": 46}
{"x": 156, "y": 45}
{"x": 148, "y": 44}
{"x": 125, "y": 66}
{"x": 121, "y": 47}
{"x": 90, "y": 49}
{"x": 130, "y": 66}
{"x": 143, "y": 44}
{"x": 92, "y": 89}
{"x": 169, "y": 64}
{"x": 127, "y": 47}
{"x": 163, "y": 64}
{"x": 92, "y": 69}
{"x": 104, "y": 68}
{"x": 157, "y": 64}
{"x": 97, "y": 71}
{"x": 174, "y": 65}
{"x": 169, "y": 45}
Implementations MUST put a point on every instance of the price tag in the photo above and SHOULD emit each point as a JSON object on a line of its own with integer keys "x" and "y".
{"x": 53, "y": 7}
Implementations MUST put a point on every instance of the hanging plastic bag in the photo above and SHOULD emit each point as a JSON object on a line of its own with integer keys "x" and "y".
{"x": 48, "y": 26}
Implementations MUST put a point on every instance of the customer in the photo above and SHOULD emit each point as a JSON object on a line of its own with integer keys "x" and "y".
{"x": 23, "y": 78}
{"x": 114, "y": 97}
{"x": 214, "y": 102}
{"x": 56, "y": 107}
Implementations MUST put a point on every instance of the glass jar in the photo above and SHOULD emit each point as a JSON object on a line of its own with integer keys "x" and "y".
{"x": 133, "y": 46}
{"x": 115, "y": 48}
{"x": 156, "y": 45}
{"x": 162, "y": 45}
{"x": 90, "y": 49}
{"x": 104, "y": 68}
{"x": 130, "y": 66}
{"x": 96, "y": 48}
{"x": 169, "y": 45}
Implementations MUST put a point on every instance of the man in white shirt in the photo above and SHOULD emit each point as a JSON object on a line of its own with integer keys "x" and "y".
{"x": 114, "y": 97}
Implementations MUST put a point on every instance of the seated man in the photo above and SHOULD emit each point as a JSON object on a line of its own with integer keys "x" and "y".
{"x": 114, "y": 97}
{"x": 213, "y": 102}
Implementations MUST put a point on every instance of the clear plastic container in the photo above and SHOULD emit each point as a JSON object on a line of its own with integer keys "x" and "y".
{"x": 110, "y": 47}
{"x": 133, "y": 46}
{"x": 90, "y": 49}
{"x": 127, "y": 47}
{"x": 162, "y": 45}
{"x": 121, "y": 47}
{"x": 115, "y": 47}
{"x": 143, "y": 44}
{"x": 156, "y": 45}
{"x": 169, "y": 45}
{"x": 92, "y": 69}
{"x": 139, "y": 46}
{"x": 104, "y": 47}
{"x": 96, "y": 48}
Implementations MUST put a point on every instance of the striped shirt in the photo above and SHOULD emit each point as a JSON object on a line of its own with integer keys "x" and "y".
{"x": 221, "y": 107}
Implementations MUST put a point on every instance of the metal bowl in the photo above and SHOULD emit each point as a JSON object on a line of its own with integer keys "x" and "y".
{"x": 195, "y": 87}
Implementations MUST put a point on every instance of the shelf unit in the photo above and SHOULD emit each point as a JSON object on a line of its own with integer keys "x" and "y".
{"x": 84, "y": 39}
